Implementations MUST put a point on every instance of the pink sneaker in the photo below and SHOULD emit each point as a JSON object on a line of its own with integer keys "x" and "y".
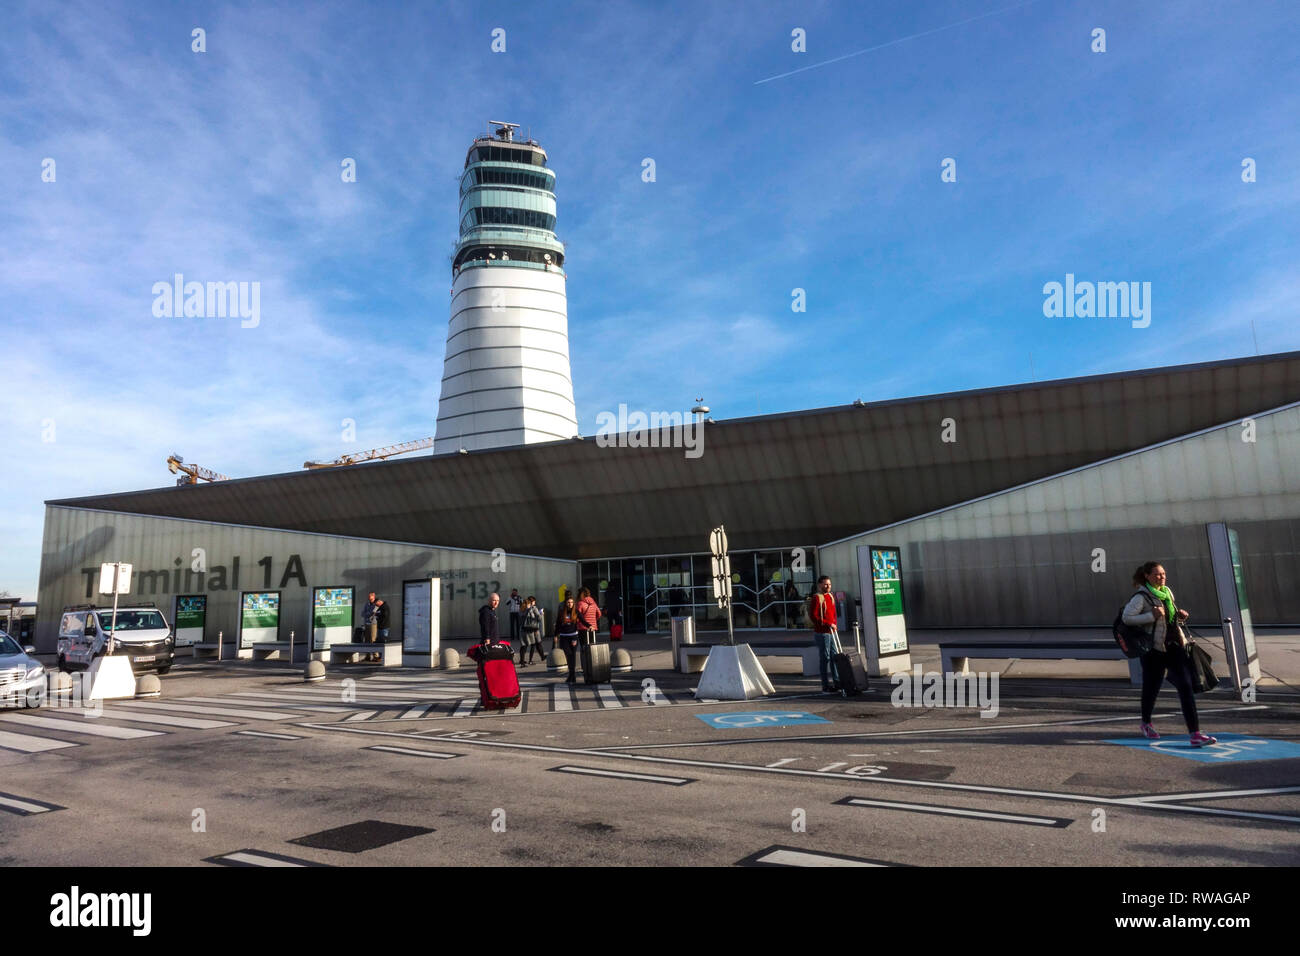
{"x": 1199, "y": 739}
{"x": 1149, "y": 732}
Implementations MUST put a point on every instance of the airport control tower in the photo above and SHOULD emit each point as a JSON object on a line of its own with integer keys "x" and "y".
{"x": 505, "y": 377}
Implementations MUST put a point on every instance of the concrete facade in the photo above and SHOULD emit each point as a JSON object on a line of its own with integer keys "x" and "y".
{"x": 163, "y": 553}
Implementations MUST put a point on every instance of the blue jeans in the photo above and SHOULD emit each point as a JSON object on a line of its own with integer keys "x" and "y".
{"x": 825, "y": 648}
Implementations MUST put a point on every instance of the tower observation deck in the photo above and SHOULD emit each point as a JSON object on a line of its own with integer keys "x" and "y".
{"x": 505, "y": 378}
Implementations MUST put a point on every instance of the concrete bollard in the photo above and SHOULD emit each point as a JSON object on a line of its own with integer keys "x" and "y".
{"x": 148, "y": 685}
{"x": 620, "y": 661}
{"x": 556, "y": 661}
{"x": 315, "y": 671}
{"x": 449, "y": 658}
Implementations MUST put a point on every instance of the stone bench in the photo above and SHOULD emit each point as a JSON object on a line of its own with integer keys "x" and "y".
{"x": 956, "y": 655}
{"x": 390, "y": 652}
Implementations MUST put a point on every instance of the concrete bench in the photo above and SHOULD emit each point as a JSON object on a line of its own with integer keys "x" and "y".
{"x": 390, "y": 652}
{"x": 267, "y": 650}
{"x": 208, "y": 649}
{"x": 691, "y": 658}
{"x": 956, "y": 656}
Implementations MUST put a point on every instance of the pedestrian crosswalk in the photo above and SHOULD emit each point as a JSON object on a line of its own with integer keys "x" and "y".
{"x": 412, "y": 697}
{"x": 376, "y": 698}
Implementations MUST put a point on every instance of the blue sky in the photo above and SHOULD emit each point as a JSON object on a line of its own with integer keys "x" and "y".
{"x": 224, "y": 166}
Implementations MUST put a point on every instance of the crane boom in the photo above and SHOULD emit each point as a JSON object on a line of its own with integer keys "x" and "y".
{"x": 374, "y": 454}
{"x": 193, "y": 473}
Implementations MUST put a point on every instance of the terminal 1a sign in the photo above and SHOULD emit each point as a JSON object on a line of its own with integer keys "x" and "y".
{"x": 880, "y": 573}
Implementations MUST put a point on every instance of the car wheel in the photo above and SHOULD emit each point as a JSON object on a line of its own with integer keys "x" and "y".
{"x": 163, "y": 670}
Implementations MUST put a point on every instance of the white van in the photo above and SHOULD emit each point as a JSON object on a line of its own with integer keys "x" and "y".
{"x": 142, "y": 634}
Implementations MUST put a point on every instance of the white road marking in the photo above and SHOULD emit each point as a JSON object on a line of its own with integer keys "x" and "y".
{"x": 167, "y": 720}
{"x": 805, "y": 858}
{"x": 218, "y": 711}
{"x": 411, "y": 751}
{"x": 1211, "y": 795}
{"x": 270, "y": 704}
{"x": 784, "y": 760}
{"x": 256, "y": 859}
{"x": 465, "y": 707}
{"x": 24, "y": 807}
{"x": 616, "y": 753}
{"x": 608, "y": 699}
{"x": 832, "y": 766}
{"x": 82, "y": 726}
{"x": 623, "y": 775}
{"x": 419, "y": 710}
{"x": 263, "y": 733}
{"x": 361, "y": 715}
{"x": 561, "y": 698}
{"x": 954, "y": 812}
{"x": 31, "y": 745}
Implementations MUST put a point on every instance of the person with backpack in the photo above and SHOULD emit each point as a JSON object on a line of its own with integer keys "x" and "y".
{"x": 532, "y": 629}
{"x": 822, "y": 615}
{"x": 1152, "y": 608}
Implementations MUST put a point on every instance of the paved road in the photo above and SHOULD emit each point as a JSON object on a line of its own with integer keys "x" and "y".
{"x": 236, "y": 762}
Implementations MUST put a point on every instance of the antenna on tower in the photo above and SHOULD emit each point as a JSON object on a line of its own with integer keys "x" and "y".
{"x": 504, "y": 131}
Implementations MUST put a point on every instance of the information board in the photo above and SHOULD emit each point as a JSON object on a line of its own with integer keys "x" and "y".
{"x": 259, "y": 618}
{"x": 190, "y": 615}
{"x": 887, "y": 582}
{"x": 421, "y": 617}
{"x": 331, "y": 616}
{"x": 884, "y": 612}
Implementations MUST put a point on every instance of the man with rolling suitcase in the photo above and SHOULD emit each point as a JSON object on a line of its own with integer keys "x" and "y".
{"x": 821, "y": 612}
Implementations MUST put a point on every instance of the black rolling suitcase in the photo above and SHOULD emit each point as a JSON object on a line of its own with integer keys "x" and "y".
{"x": 850, "y": 675}
{"x": 595, "y": 659}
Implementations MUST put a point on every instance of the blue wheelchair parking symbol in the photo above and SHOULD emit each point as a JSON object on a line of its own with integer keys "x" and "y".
{"x": 1230, "y": 748}
{"x": 760, "y": 718}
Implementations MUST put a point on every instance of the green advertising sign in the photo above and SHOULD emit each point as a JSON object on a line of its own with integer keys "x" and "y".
{"x": 261, "y": 609}
{"x": 886, "y": 582}
{"x": 191, "y": 612}
{"x": 332, "y": 608}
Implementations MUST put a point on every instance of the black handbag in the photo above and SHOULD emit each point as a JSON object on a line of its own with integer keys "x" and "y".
{"x": 1203, "y": 676}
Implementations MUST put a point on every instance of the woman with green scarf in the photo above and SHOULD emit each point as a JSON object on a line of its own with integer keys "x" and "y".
{"x": 1153, "y": 609}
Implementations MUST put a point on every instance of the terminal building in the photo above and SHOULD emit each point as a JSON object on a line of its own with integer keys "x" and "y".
{"x": 1000, "y": 527}
{"x": 1015, "y": 507}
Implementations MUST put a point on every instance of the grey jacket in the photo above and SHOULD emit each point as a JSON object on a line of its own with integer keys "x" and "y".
{"x": 1140, "y": 612}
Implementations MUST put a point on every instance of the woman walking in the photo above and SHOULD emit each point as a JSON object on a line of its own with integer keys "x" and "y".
{"x": 532, "y": 639}
{"x": 1153, "y": 609}
{"x": 566, "y": 635}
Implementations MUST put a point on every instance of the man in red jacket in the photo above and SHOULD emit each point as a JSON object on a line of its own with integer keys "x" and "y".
{"x": 821, "y": 612}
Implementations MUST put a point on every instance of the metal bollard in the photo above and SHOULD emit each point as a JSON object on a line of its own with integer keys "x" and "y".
{"x": 219, "y": 633}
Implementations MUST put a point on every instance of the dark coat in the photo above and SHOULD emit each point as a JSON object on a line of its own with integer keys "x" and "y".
{"x": 487, "y": 623}
{"x": 383, "y": 616}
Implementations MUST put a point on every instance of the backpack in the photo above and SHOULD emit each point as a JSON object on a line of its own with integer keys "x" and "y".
{"x": 1132, "y": 640}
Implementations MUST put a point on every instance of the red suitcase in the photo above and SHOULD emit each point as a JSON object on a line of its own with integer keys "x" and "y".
{"x": 616, "y": 632}
{"x": 498, "y": 682}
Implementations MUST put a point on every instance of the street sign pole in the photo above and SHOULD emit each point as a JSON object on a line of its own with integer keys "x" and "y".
{"x": 112, "y": 634}
{"x": 722, "y": 577}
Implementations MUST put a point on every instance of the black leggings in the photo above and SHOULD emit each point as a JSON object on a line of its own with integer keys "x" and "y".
{"x": 1178, "y": 668}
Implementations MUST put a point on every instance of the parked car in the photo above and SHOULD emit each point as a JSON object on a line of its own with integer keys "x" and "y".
{"x": 22, "y": 676}
{"x": 142, "y": 634}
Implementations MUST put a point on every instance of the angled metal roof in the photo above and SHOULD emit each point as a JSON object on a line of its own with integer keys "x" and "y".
{"x": 775, "y": 480}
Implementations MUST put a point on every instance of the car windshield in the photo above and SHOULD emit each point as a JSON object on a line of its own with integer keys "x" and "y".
{"x": 131, "y": 620}
{"x": 8, "y": 645}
